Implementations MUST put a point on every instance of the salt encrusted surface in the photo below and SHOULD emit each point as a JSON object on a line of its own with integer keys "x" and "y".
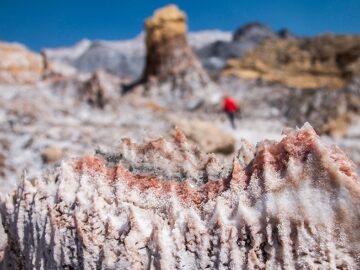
{"x": 287, "y": 205}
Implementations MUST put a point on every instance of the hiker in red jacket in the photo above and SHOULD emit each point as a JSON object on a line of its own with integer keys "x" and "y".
{"x": 230, "y": 107}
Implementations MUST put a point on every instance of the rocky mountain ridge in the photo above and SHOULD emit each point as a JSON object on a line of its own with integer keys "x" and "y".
{"x": 123, "y": 58}
{"x": 126, "y": 58}
{"x": 19, "y": 65}
{"x": 327, "y": 61}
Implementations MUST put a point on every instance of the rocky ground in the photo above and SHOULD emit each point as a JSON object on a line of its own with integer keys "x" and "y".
{"x": 163, "y": 204}
{"x": 41, "y": 125}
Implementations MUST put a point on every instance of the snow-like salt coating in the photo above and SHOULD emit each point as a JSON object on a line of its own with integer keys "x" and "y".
{"x": 293, "y": 204}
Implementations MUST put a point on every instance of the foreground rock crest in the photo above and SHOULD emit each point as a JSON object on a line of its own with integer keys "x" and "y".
{"x": 165, "y": 205}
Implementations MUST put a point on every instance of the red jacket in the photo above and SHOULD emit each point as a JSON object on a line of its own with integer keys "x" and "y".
{"x": 230, "y": 105}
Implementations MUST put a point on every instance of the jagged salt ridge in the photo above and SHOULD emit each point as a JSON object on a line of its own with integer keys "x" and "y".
{"x": 287, "y": 205}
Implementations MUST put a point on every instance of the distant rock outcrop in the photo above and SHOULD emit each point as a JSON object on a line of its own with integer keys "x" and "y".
{"x": 292, "y": 204}
{"x": 327, "y": 61}
{"x": 167, "y": 51}
{"x": 99, "y": 89}
{"x": 171, "y": 69}
{"x": 52, "y": 154}
{"x": 18, "y": 65}
{"x": 330, "y": 112}
{"x": 249, "y": 36}
{"x": 254, "y": 33}
{"x": 169, "y": 58}
{"x": 207, "y": 136}
{"x": 56, "y": 70}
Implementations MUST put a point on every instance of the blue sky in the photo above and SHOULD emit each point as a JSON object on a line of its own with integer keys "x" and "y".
{"x": 51, "y": 23}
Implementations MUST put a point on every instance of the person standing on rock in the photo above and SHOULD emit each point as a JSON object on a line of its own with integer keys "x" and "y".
{"x": 230, "y": 107}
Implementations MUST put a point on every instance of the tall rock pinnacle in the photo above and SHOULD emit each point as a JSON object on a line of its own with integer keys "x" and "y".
{"x": 168, "y": 53}
{"x": 169, "y": 58}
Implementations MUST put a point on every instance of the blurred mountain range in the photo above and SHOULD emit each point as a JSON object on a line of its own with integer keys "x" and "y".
{"x": 126, "y": 58}
{"x": 123, "y": 58}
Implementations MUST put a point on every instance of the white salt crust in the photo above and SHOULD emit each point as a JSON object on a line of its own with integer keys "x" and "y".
{"x": 305, "y": 216}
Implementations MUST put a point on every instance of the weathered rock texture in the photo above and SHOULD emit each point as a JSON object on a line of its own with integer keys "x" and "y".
{"x": 246, "y": 38}
{"x": 99, "y": 89}
{"x": 18, "y": 65}
{"x": 327, "y": 61}
{"x": 55, "y": 70}
{"x": 170, "y": 60}
{"x": 52, "y": 154}
{"x": 167, "y": 51}
{"x": 207, "y": 136}
{"x": 164, "y": 205}
{"x": 330, "y": 112}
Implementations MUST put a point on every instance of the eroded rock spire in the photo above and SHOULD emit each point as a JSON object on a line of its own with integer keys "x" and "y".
{"x": 167, "y": 50}
{"x": 171, "y": 67}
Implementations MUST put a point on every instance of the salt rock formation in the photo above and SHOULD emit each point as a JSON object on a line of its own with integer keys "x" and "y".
{"x": 99, "y": 89}
{"x": 53, "y": 70}
{"x": 293, "y": 204}
{"x": 169, "y": 59}
{"x": 18, "y": 65}
{"x": 327, "y": 61}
